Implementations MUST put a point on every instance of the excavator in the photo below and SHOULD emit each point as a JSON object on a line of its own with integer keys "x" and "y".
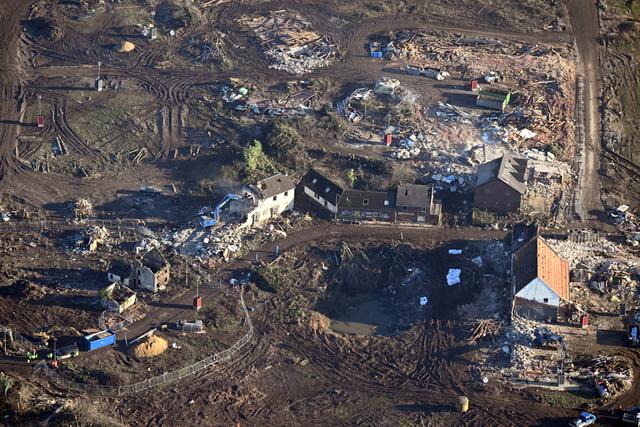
{"x": 207, "y": 221}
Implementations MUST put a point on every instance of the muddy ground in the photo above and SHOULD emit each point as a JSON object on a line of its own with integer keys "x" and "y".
{"x": 158, "y": 108}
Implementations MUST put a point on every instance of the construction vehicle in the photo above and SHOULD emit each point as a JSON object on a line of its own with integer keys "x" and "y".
{"x": 545, "y": 338}
{"x": 585, "y": 419}
{"x": 67, "y": 352}
{"x": 207, "y": 221}
{"x": 632, "y": 416}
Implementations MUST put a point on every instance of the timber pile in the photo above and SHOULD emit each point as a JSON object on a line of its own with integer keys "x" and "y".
{"x": 484, "y": 328}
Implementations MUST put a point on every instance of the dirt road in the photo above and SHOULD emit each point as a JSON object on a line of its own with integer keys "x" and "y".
{"x": 584, "y": 21}
{"x": 11, "y": 12}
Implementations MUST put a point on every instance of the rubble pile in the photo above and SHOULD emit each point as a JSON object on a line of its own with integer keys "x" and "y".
{"x": 610, "y": 375}
{"x": 290, "y": 42}
{"x": 603, "y": 274}
{"x": 543, "y": 87}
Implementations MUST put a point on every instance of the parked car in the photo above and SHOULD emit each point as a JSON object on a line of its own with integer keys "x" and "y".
{"x": 632, "y": 416}
{"x": 585, "y": 419}
{"x": 67, "y": 352}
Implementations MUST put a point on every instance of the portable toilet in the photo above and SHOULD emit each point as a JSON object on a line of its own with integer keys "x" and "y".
{"x": 99, "y": 85}
{"x": 153, "y": 33}
{"x": 40, "y": 121}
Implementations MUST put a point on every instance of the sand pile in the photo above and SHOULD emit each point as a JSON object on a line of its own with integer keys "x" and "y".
{"x": 126, "y": 47}
{"x": 151, "y": 347}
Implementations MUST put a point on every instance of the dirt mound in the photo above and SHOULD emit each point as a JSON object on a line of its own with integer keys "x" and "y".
{"x": 318, "y": 322}
{"x": 125, "y": 47}
{"x": 22, "y": 289}
{"x": 153, "y": 346}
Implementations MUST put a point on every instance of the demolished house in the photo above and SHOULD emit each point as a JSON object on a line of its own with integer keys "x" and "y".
{"x": 269, "y": 198}
{"x": 151, "y": 273}
{"x": 119, "y": 272}
{"x": 117, "y": 297}
{"x": 409, "y": 204}
{"x": 540, "y": 280}
{"x": 322, "y": 190}
{"x": 500, "y": 184}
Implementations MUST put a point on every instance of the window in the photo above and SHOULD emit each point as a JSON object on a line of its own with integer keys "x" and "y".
{"x": 326, "y": 190}
{"x": 325, "y": 203}
{"x": 423, "y": 209}
{"x": 365, "y": 202}
{"x": 275, "y": 197}
{"x": 286, "y": 193}
{"x": 386, "y": 203}
{"x": 404, "y": 208}
{"x": 315, "y": 180}
{"x": 546, "y": 300}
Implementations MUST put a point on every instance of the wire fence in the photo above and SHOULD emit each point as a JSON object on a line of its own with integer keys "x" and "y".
{"x": 104, "y": 323}
{"x": 19, "y": 344}
{"x": 167, "y": 377}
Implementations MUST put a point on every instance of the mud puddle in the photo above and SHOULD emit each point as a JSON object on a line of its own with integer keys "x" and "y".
{"x": 367, "y": 316}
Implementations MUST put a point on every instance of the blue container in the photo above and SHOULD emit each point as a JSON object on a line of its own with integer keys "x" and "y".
{"x": 376, "y": 54}
{"x": 98, "y": 340}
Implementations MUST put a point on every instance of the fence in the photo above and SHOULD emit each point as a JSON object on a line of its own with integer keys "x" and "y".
{"x": 154, "y": 381}
{"x": 21, "y": 343}
{"x": 102, "y": 321}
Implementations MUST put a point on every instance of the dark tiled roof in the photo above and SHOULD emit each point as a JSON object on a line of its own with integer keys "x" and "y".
{"x": 322, "y": 185}
{"x": 356, "y": 199}
{"x": 413, "y": 196}
{"x": 536, "y": 259}
{"x": 274, "y": 185}
{"x": 507, "y": 169}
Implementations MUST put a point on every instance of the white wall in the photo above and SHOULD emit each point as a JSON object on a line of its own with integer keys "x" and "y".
{"x": 320, "y": 200}
{"x": 537, "y": 291}
{"x": 263, "y": 211}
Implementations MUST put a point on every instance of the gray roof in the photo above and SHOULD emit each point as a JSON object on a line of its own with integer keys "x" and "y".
{"x": 322, "y": 185}
{"x": 355, "y": 199}
{"x": 507, "y": 169}
{"x": 274, "y": 185}
{"x": 154, "y": 260}
{"x": 413, "y": 196}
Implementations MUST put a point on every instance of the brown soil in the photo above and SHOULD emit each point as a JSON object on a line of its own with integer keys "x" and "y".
{"x": 151, "y": 347}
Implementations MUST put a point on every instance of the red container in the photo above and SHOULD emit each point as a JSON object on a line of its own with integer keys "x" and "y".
{"x": 40, "y": 120}
{"x": 584, "y": 321}
{"x": 474, "y": 85}
{"x": 197, "y": 303}
{"x": 388, "y": 139}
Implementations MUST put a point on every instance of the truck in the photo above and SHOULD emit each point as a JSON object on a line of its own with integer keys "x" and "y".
{"x": 585, "y": 419}
{"x": 632, "y": 416}
{"x": 98, "y": 340}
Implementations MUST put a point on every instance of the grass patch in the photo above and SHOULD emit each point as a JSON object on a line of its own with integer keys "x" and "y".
{"x": 569, "y": 400}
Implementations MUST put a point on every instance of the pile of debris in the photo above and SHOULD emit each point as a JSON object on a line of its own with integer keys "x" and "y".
{"x": 82, "y": 208}
{"x": 610, "y": 375}
{"x": 289, "y": 41}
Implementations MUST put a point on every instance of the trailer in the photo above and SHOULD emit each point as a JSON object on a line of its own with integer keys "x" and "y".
{"x": 98, "y": 340}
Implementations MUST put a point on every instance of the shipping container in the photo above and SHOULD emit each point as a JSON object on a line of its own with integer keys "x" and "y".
{"x": 98, "y": 340}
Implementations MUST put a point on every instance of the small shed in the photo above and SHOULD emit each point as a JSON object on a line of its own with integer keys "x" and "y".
{"x": 117, "y": 297}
